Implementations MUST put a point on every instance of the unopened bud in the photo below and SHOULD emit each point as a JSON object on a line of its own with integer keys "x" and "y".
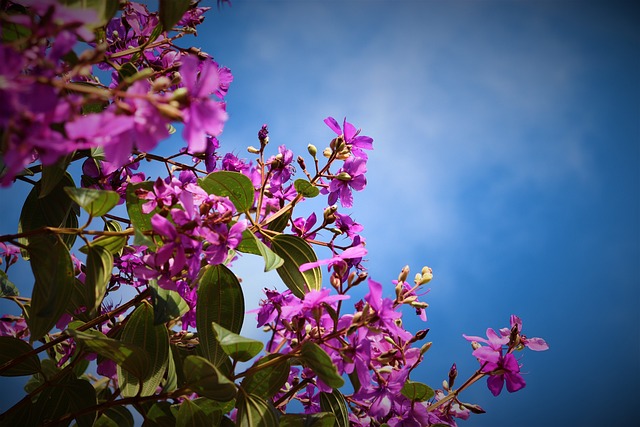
{"x": 329, "y": 214}
{"x": 343, "y": 176}
{"x": 327, "y": 152}
{"x": 161, "y": 83}
{"x": 389, "y": 340}
{"x": 453, "y": 373}
{"x": 475, "y": 345}
{"x": 476, "y": 409}
{"x": 427, "y": 275}
{"x": 399, "y": 289}
{"x": 300, "y": 160}
{"x": 169, "y": 111}
{"x": 425, "y": 348}
{"x": 445, "y": 385}
{"x": 404, "y": 273}
{"x": 253, "y": 150}
{"x": 180, "y": 94}
{"x": 312, "y": 150}
{"x": 419, "y": 304}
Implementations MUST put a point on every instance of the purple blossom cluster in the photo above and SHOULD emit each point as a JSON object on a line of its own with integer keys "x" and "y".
{"x": 55, "y": 107}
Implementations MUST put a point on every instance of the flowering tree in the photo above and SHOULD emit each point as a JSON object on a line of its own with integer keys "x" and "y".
{"x": 99, "y": 84}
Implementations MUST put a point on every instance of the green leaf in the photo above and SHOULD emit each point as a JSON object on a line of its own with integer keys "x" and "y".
{"x": 190, "y": 415}
{"x": 417, "y": 391}
{"x": 319, "y": 419}
{"x": 236, "y": 346}
{"x": 335, "y": 403}
{"x": 234, "y": 185}
{"x": 319, "y": 361}
{"x": 205, "y": 379}
{"x": 140, "y": 330}
{"x": 305, "y": 188}
{"x": 7, "y": 289}
{"x": 68, "y": 396}
{"x": 252, "y": 245}
{"x": 130, "y": 357}
{"x": 52, "y": 174}
{"x": 141, "y": 222}
{"x": 113, "y": 244}
{"x": 266, "y": 382}
{"x": 98, "y": 275}
{"x": 116, "y": 416}
{"x": 54, "y": 281}
{"x": 12, "y": 348}
{"x": 295, "y": 252}
{"x": 95, "y": 202}
{"x": 253, "y": 411}
{"x": 159, "y": 415}
{"x": 280, "y": 223}
{"x": 220, "y": 300}
{"x": 167, "y": 305}
{"x": 56, "y": 209}
{"x": 171, "y": 11}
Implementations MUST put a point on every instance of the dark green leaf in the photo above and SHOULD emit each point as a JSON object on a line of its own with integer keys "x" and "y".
{"x": 54, "y": 210}
{"x": 319, "y": 361}
{"x": 116, "y": 416}
{"x": 266, "y": 382}
{"x": 7, "y": 289}
{"x": 249, "y": 243}
{"x": 159, "y": 415}
{"x": 167, "y": 305}
{"x": 11, "y": 348}
{"x": 82, "y": 395}
{"x": 141, "y": 222}
{"x": 234, "y": 185}
{"x": 305, "y": 188}
{"x": 52, "y": 174}
{"x": 417, "y": 391}
{"x": 131, "y": 357}
{"x": 140, "y": 330}
{"x": 54, "y": 280}
{"x": 334, "y": 402}
{"x": 95, "y": 202}
{"x": 68, "y": 396}
{"x": 190, "y": 415}
{"x": 98, "y": 275}
{"x": 236, "y": 346}
{"x": 320, "y": 419}
{"x": 280, "y": 223}
{"x": 295, "y": 252}
{"x": 171, "y": 11}
{"x": 253, "y": 411}
{"x": 205, "y": 379}
{"x": 220, "y": 300}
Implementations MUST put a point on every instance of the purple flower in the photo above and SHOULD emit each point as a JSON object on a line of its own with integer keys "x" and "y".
{"x": 302, "y": 227}
{"x": 506, "y": 369}
{"x": 351, "y": 136}
{"x": 350, "y": 253}
{"x": 535, "y": 344}
{"x": 350, "y": 176}
{"x": 203, "y": 115}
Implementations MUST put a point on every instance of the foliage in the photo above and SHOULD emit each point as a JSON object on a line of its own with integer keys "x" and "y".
{"x": 102, "y": 84}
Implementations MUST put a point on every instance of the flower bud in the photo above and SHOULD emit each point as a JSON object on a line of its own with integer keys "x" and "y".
{"x": 445, "y": 385}
{"x": 399, "y": 289}
{"x": 327, "y": 152}
{"x": 329, "y": 214}
{"x": 425, "y": 348}
{"x": 161, "y": 83}
{"x": 453, "y": 373}
{"x": 402, "y": 277}
{"x": 475, "y": 345}
{"x": 343, "y": 176}
{"x": 312, "y": 150}
{"x": 419, "y": 304}
{"x": 253, "y": 150}
{"x": 300, "y": 160}
{"x": 169, "y": 111}
{"x": 180, "y": 94}
{"x": 427, "y": 275}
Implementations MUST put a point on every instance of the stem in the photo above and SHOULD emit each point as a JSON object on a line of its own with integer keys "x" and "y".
{"x": 57, "y": 230}
{"x": 63, "y": 336}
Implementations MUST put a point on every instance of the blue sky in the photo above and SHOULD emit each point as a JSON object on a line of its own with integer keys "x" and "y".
{"x": 506, "y": 139}
{"x": 507, "y": 154}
